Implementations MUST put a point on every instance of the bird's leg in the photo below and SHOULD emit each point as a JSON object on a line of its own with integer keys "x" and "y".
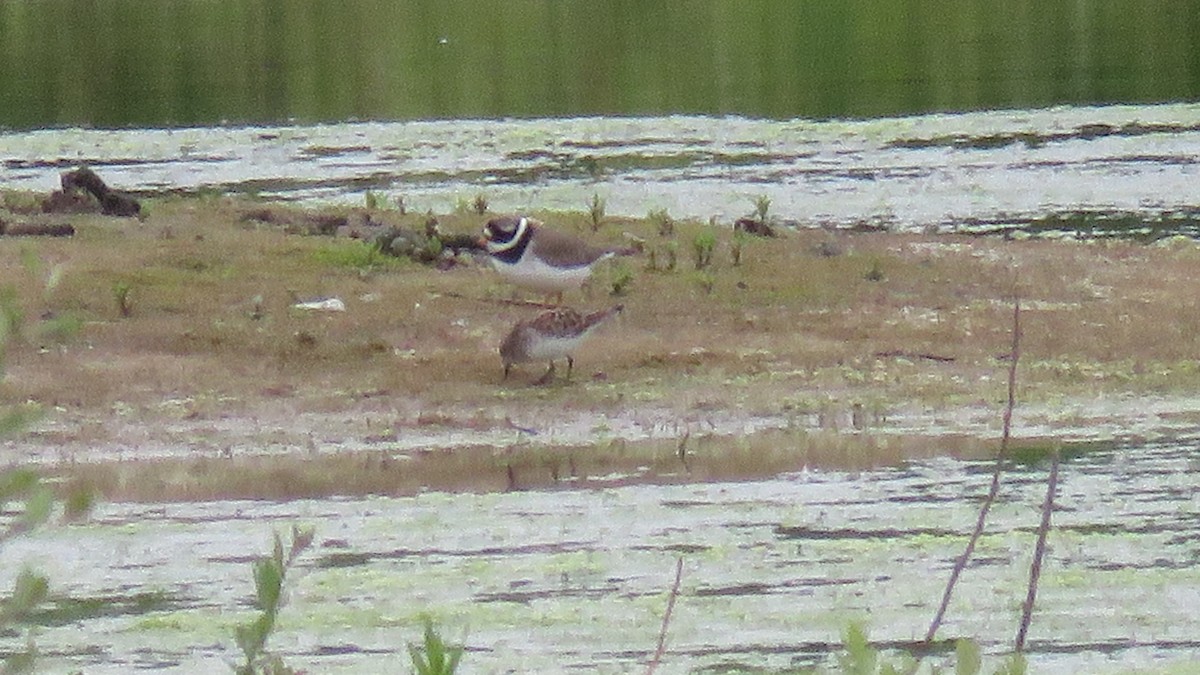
{"x": 507, "y": 367}
{"x": 548, "y": 377}
{"x": 570, "y": 365}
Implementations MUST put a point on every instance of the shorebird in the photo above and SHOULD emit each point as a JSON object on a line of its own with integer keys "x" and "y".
{"x": 527, "y": 253}
{"x": 553, "y": 334}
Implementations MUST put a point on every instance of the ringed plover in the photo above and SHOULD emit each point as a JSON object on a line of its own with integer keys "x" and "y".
{"x": 527, "y": 253}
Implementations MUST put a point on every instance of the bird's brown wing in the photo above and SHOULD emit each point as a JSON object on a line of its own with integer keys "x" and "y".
{"x": 564, "y": 250}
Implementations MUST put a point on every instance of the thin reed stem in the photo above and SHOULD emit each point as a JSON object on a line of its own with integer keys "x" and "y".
{"x": 666, "y": 622}
{"x": 1039, "y": 552}
{"x": 1001, "y": 458}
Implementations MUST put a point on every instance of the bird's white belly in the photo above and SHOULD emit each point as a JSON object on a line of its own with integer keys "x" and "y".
{"x": 534, "y": 274}
{"x": 550, "y": 348}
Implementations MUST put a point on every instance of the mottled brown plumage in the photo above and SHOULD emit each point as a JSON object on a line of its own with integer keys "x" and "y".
{"x": 553, "y": 334}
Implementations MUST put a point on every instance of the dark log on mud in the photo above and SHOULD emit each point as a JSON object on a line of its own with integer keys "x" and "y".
{"x": 120, "y": 204}
{"x": 78, "y": 184}
{"x": 20, "y": 229}
{"x": 70, "y": 202}
{"x": 83, "y": 179}
{"x": 754, "y": 226}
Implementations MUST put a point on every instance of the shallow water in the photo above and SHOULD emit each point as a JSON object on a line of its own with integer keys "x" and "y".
{"x": 577, "y": 580}
{"x": 1129, "y": 169}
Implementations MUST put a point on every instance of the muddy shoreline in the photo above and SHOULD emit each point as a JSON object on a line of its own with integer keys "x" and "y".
{"x": 189, "y": 342}
{"x": 236, "y": 457}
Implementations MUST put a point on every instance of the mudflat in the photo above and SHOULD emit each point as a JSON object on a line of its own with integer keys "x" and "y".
{"x": 220, "y": 342}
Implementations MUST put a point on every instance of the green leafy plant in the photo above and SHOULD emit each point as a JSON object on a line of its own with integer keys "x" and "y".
{"x": 1015, "y": 664}
{"x": 596, "y": 211}
{"x": 121, "y": 297}
{"x": 49, "y": 278}
{"x": 29, "y": 590}
{"x": 269, "y": 575}
{"x": 672, "y": 256}
{"x": 762, "y": 208}
{"x": 861, "y": 658}
{"x": 59, "y": 327}
{"x": 434, "y": 656}
{"x": 651, "y": 260}
{"x": 354, "y": 254}
{"x": 662, "y": 222}
{"x": 23, "y": 492}
{"x": 12, "y": 418}
{"x": 53, "y": 325}
{"x": 858, "y": 657}
{"x": 968, "y": 659}
{"x": 376, "y": 201}
{"x": 11, "y": 317}
{"x": 622, "y": 278}
{"x": 739, "y": 240}
{"x": 24, "y": 486}
{"x": 429, "y": 250}
{"x": 875, "y": 273}
{"x": 703, "y": 245}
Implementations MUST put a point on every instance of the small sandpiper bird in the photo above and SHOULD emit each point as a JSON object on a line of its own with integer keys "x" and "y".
{"x": 527, "y": 253}
{"x": 553, "y": 334}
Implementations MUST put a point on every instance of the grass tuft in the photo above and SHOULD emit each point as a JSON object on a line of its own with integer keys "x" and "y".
{"x": 434, "y": 656}
{"x": 354, "y": 255}
{"x": 662, "y": 223}
{"x": 703, "y": 245}
{"x": 596, "y": 211}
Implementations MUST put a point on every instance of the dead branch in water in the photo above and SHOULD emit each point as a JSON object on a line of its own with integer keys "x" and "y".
{"x": 1001, "y": 458}
{"x": 666, "y": 622}
{"x": 1039, "y": 552}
